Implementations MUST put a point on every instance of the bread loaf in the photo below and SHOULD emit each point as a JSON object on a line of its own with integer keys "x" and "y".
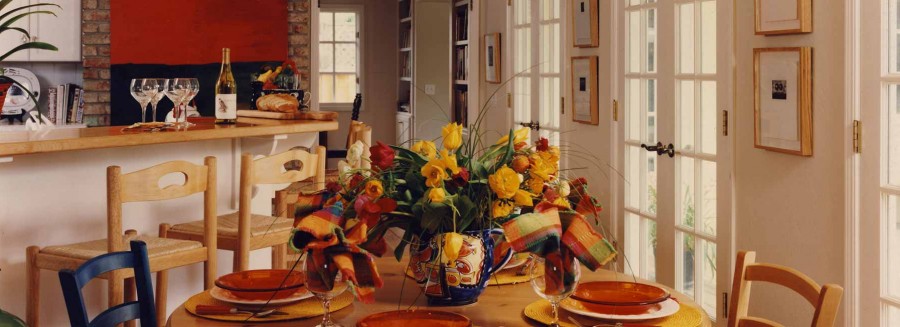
{"x": 278, "y": 102}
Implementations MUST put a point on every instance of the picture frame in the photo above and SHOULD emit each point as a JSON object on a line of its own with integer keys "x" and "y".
{"x": 586, "y": 23}
{"x": 780, "y": 17}
{"x": 585, "y": 90}
{"x": 492, "y": 58}
{"x": 782, "y": 84}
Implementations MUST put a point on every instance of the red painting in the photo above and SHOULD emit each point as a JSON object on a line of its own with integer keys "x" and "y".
{"x": 193, "y": 32}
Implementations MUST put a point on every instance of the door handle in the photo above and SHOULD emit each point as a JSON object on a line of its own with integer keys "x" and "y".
{"x": 660, "y": 149}
{"x": 532, "y": 125}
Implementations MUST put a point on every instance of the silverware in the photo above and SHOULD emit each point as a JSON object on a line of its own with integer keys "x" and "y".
{"x": 618, "y": 324}
{"x": 219, "y": 310}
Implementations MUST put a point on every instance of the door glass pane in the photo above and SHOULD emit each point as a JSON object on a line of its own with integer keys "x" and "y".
{"x": 893, "y": 316}
{"x": 650, "y": 51}
{"x": 549, "y": 49}
{"x": 649, "y": 171}
{"x": 686, "y": 38}
{"x": 651, "y": 111}
{"x": 633, "y": 109}
{"x": 326, "y": 58}
{"x": 345, "y": 26}
{"x": 640, "y": 246}
{"x": 893, "y": 136}
{"x": 634, "y": 42}
{"x": 326, "y": 26}
{"x": 686, "y": 190}
{"x": 632, "y": 184}
{"x": 709, "y": 126}
{"x": 326, "y": 88}
{"x": 522, "y": 99}
{"x": 708, "y": 282}
{"x": 685, "y": 259}
{"x": 345, "y": 88}
{"x": 892, "y": 233}
{"x": 708, "y": 205}
{"x": 345, "y": 58}
{"x": 708, "y": 36}
{"x": 650, "y": 242}
{"x": 686, "y": 108}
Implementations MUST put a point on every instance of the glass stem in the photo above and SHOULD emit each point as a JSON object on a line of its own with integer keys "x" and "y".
{"x": 153, "y": 112}
{"x": 144, "y": 112}
{"x": 326, "y": 318}
{"x": 555, "y": 308}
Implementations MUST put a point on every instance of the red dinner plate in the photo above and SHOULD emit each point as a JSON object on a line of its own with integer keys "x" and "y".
{"x": 261, "y": 284}
{"x": 617, "y": 293}
{"x": 414, "y": 318}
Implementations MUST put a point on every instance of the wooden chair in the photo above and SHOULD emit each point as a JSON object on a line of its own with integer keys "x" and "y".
{"x": 242, "y": 231}
{"x": 826, "y": 299}
{"x": 143, "y": 309}
{"x": 164, "y": 253}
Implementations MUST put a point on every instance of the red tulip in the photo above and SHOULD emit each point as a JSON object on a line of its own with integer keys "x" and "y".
{"x": 382, "y": 156}
{"x": 543, "y": 144}
{"x": 462, "y": 178}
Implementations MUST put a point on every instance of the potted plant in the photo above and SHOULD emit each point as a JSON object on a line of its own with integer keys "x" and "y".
{"x": 7, "y": 19}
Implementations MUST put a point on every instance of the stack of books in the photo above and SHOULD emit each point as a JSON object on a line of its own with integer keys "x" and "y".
{"x": 66, "y": 104}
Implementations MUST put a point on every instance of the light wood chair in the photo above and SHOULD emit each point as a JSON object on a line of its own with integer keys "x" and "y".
{"x": 826, "y": 299}
{"x": 164, "y": 254}
{"x": 243, "y": 231}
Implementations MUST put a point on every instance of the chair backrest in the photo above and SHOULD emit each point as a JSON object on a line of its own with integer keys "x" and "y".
{"x": 136, "y": 259}
{"x": 826, "y": 299}
{"x": 143, "y": 185}
{"x": 274, "y": 170}
{"x": 359, "y": 131}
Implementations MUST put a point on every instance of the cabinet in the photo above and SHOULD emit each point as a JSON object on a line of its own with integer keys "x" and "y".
{"x": 62, "y": 31}
{"x": 404, "y": 129}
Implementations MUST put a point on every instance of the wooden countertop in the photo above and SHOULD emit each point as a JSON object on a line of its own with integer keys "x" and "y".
{"x": 69, "y": 139}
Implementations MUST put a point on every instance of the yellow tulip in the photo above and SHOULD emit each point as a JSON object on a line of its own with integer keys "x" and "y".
{"x": 435, "y": 173}
{"x": 449, "y": 161}
{"x": 452, "y": 244}
{"x": 504, "y": 182}
{"x": 436, "y": 195}
{"x": 501, "y": 209}
{"x": 540, "y": 168}
{"x": 535, "y": 184}
{"x": 452, "y": 134}
{"x": 523, "y": 198}
{"x": 374, "y": 189}
{"x": 425, "y": 148}
{"x": 519, "y": 136}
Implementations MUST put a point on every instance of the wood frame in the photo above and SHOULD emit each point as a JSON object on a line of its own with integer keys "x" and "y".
{"x": 804, "y": 104}
{"x": 594, "y": 90}
{"x": 804, "y": 15}
{"x": 498, "y": 62}
{"x": 594, "y": 12}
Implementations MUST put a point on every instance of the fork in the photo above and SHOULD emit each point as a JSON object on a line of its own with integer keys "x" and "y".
{"x": 618, "y": 324}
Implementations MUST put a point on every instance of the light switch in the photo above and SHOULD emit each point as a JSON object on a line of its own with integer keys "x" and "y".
{"x": 429, "y": 89}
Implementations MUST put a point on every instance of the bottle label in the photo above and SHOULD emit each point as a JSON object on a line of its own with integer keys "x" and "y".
{"x": 226, "y": 106}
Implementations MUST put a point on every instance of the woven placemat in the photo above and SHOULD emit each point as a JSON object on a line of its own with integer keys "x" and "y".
{"x": 540, "y": 311}
{"x": 503, "y": 277}
{"x": 307, "y": 308}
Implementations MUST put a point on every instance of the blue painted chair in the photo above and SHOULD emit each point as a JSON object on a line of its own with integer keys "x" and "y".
{"x": 136, "y": 259}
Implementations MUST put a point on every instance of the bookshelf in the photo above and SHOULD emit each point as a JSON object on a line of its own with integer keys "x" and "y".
{"x": 405, "y": 89}
{"x": 461, "y": 60}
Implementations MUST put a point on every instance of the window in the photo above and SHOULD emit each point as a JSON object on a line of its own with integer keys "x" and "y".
{"x": 340, "y": 52}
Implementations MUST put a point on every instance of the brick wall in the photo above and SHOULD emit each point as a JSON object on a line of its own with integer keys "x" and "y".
{"x": 95, "y": 53}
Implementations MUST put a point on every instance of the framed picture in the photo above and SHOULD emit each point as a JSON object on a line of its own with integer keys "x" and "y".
{"x": 585, "y": 89}
{"x": 777, "y": 17}
{"x": 782, "y": 82}
{"x": 586, "y": 23}
{"x": 492, "y": 58}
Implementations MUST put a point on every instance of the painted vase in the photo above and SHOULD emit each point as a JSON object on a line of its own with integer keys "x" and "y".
{"x": 459, "y": 282}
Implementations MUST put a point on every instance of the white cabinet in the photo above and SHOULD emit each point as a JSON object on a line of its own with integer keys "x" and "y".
{"x": 404, "y": 129}
{"x": 62, "y": 31}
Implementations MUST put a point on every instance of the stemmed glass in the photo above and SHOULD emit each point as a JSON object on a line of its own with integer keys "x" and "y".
{"x": 138, "y": 93}
{"x": 158, "y": 93}
{"x": 324, "y": 280}
{"x": 177, "y": 90}
{"x": 193, "y": 87}
{"x": 554, "y": 278}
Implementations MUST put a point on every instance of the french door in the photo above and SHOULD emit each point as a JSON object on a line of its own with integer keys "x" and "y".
{"x": 674, "y": 200}
{"x": 878, "y": 253}
{"x": 537, "y": 59}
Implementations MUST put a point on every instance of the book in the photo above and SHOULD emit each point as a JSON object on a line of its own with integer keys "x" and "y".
{"x": 70, "y": 102}
{"x": 60, "y": 105}
{"x": 78, "y": 106}
{"x": 51, "y": 104}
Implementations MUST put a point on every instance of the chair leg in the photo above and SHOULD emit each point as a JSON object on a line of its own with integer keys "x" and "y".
{"x": 162, "y": 284}
{"x": 33, "y": 293}
{"x": 279, "y": 256}
{"x": 116, "y": 289}
{"x": 236, "y": 261}
{"x": 130, "y": 296}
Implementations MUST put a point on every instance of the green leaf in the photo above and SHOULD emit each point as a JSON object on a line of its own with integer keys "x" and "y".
{"x": 20, "y": 16}
{"x": 434, "y": 215}
{"x": 418, "y": 159}
{"x": 20, "y": 30}
{"x": 26, "y": 7}
{"x": 4, "y": 3}
{"x": 510, "y": 149}
{"x": 29, "y": 45}
{"x": 466, "y": 209}
{"x": 415, "y": 183}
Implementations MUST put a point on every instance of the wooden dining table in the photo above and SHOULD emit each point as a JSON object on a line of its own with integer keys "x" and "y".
{"x": 498, "y": 306}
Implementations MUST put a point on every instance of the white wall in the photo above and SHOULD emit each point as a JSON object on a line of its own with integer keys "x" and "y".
{"x": 498, "y": 116}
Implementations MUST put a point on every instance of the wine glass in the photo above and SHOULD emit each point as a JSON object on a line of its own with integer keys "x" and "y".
{"x": 137, "y": 92}
{"x": 151, "y": 90}
{"x": 193, "y": 88}
{"x": 159, "y": 94}
{"x": 176, "y": 91}
{"x": 554, "y": 277}
{"x": 324, "y": 280}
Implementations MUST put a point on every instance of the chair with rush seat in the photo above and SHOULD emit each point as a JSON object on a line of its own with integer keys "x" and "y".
{"x": 826, "y": 299}
{"x": 243, "y": 231}
{"x": 164, "y": 254}
{"x": 73, "y": 281}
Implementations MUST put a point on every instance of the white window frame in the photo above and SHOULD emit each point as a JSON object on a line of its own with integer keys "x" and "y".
{"x": 360, "y": 56}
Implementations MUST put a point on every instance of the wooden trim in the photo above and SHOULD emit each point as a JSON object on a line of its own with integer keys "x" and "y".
{"x": 804, "y": 105}
{"x": 595, "y": 91}
{"x": 595, "y": 26}
{"x": 804, "y": 13}
{"x": 498, "y": 62}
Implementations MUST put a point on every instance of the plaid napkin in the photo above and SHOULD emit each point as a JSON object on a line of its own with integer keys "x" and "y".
{"x": 333, "y": 242}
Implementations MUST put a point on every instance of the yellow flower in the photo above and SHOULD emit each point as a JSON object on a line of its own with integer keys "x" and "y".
{"x": 452, "y": 134}
{"x": 452, "y": 244}
{"x": 501, "y": 209}
{"x": 540, "y": 168}
{"x": 504, "y": 182}
{"x": 374, "y": 189}
{"x": 519, "y": 136}
{"x": 535, "y": 184}
{"x": 436, "y": 195}
{"x": 523, "y": 198}
{"x": 425, "y": 148}
{"x": 435, "y": 173}
{"x": 449, "y": 161}
{"x": 561, "y": 201}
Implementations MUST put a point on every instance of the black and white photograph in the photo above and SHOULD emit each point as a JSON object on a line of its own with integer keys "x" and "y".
{"x": 779, "y": 90}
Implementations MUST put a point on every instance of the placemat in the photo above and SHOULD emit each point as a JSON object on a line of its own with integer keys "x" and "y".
{"x": 541, "y": 312}
{"x": 504, "y": 277}
{"x": 307, "y": 308}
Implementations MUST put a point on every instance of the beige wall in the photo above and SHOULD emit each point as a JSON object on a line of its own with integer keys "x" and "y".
{"x": 432, "y": 67}
{"x": 497, "y": 116}
{"x": 790, "y": 209}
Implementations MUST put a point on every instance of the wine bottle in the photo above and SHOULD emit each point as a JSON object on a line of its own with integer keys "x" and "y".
{"x": 226, "y": 92}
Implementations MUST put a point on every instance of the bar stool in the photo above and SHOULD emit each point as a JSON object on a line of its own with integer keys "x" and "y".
{"x": 242, "y": 231}
{"x": 164, "y": 254}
